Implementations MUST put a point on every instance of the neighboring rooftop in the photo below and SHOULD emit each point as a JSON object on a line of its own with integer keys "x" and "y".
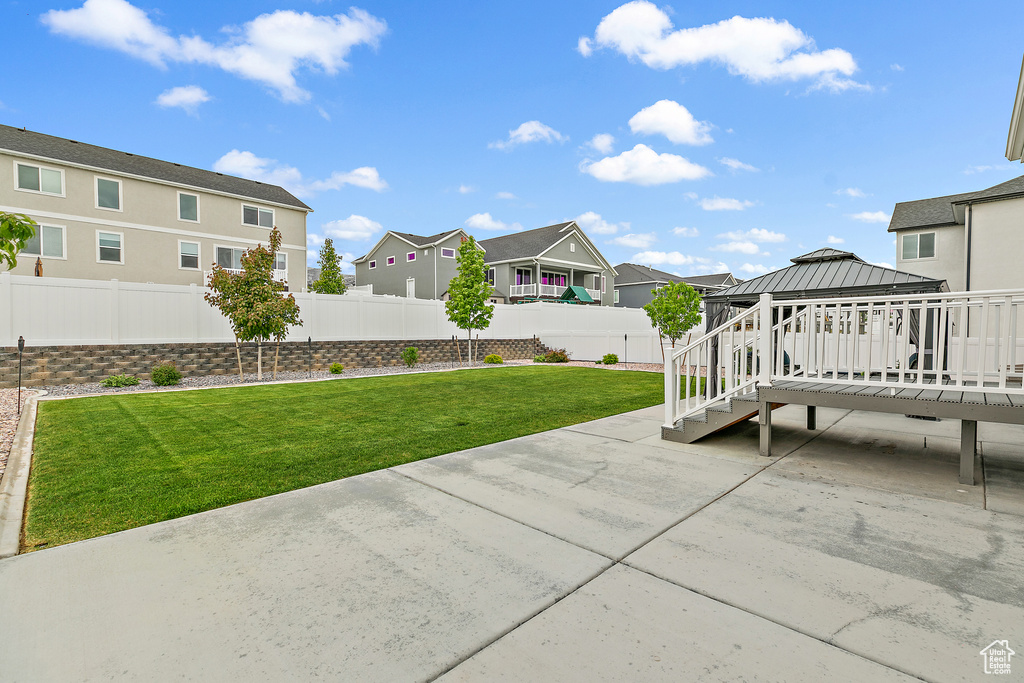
{"x": 421, "y": 241}
{"x": 632, "y": 273}
{"x": 21, "y": 141}
{"x": 522, "y": 244}
{"x": 938, "y": 211}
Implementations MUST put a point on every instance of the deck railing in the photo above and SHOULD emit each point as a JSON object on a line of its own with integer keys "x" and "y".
{"x": 970, "y": 341}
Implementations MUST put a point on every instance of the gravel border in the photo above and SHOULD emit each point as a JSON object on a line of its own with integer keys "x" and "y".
{"x": 9, "y": 421}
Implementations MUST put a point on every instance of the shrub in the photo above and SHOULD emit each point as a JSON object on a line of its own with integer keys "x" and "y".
{"x": 411, "y": 356}
{"x": 337, "y": 368}
{"x": 120, "y": 381}
{"x": 165, "y": 375}
{"x": 493, "y": 359}
{"x": 557, "y": 356}
{"x": 610, "y": 359}
{"x": 538, "y": 359}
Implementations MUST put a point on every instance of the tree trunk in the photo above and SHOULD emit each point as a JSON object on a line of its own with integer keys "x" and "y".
{"x": 277, "y": 352}
{"x": 469, "y": 346}
{"x": 259, "y": 360}
{"x": 238, "y": 353}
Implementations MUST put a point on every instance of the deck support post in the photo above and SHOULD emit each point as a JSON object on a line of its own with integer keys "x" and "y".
{"x": 812, "y": 417}
{"x": 968, "y": 451}
{"x": 764, "y": 419}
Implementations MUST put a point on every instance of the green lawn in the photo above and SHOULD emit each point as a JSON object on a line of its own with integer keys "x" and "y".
{"x": 109, "y": 463}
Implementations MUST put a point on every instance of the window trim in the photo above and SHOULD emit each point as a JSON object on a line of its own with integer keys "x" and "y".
{"x": 198, "y": 214}
{"x": 490, "y": 277}
{"x": 616, "y": 296}
{"x": 96, "y": 193}
{"x": 373, "y": 264}
{"x": 285, "y": 255}
{"x": 933, "y": 257}
{"x": 410, "y": 257}
{"x": 109, "y": 232}
{"x": 63, "y": 243}
{"x": 603, "y": 284}
{"x": 40, "y": 167}
{"x": 389, "y": 261}
{"x": 199, "y": 255}
{"x": 229, "y": 246}
{"x": 273, "y": 216}
{"x": 572, "y": 247}
{"x": 444, "y": 249}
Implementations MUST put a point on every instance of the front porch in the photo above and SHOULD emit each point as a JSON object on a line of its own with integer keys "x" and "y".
{"x": 539, "y": 281}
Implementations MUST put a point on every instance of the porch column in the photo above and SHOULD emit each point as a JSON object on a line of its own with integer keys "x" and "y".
{"x": 968, "y": 451}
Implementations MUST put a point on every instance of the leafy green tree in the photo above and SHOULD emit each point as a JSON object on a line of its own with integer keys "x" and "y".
{"x": 674, "y": 310}
{"x": 16, "y": 229}
{"x": 468, "y": 292}
{"x": 253, "y": 301}
{"x": 331, "y": 280}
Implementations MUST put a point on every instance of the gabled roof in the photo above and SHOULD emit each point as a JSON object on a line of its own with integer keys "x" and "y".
{"x": 526, "y": 244}
{"x": 26, "y": 142}
{"x": 631, "y": 274}
{"x": 821, "y": 274}
{"x": 417, "y": 241}
{"x": 1015, "y": 139}
{"x": 939, "y": 211}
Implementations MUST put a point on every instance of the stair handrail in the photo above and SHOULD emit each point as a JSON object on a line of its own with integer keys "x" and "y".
{"x": 718, "y": 330}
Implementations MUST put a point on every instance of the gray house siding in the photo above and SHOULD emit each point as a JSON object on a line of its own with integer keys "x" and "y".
{"x": 431, "y": 271}
{"x": 637, "y": 295}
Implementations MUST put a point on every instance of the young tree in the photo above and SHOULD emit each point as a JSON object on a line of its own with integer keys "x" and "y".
{"x": 253, "y": 301}
{"x": 331, "y": 280}
{"x": 468, "y": 292}
{"x": 16, "y": 229}
{"x": 674, "y": 309}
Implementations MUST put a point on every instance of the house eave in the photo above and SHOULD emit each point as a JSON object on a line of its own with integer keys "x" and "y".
{"x": 1015, "y": 139}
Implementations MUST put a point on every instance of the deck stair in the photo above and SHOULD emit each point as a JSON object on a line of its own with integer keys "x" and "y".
{"x": 713, "y": 418}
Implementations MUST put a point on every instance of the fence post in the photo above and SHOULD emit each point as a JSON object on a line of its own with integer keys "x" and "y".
{"x": 765, "y": 341}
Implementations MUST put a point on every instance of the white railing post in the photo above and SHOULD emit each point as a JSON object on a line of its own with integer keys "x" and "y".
{"x": 765, "y": 342}
{"x": 670, "y": 383}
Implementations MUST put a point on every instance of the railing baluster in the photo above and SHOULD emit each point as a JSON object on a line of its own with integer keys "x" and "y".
{"x": 905, "y": 356}
{"x": 939, "y": 362}
{"x": 965, "y": 313}
{"x": 1003, "y": 339}
{"x": 869, "y": 327}
{"x": 837, "y": 328}
{"x": 883, "y": 377}
{"x": 983, "y": 342}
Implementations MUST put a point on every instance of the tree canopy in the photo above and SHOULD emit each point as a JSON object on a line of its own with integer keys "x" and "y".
{"x": 331, "y": 281}
{"x": 674, "y": 310}
{"x": 469, "y": 291}
{"x": 16, "y": 229}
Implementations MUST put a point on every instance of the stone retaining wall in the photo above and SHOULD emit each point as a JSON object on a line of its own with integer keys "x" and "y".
{"x": 55, "y": 365}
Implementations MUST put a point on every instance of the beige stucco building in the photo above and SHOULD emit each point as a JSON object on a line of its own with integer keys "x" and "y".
{"x": 105, "y": 214}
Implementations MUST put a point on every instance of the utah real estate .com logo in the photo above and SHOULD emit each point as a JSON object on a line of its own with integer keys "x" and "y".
{"x": 997, "y": 657}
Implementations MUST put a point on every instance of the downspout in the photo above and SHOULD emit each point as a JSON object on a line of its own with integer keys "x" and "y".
{"x": 967, "y": 279}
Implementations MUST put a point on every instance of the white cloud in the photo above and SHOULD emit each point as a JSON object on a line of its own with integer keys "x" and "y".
{"x": 188, "y": 97}
{"x": 530, "y": 131}
{"x": 755, "y": 235}
{"x": 674, "y": 121}
{"x": 672, "y": 258}
{"x": 583, "y": 46}
{"x": 248, "y": 165}
{"x": 356, "y": 228}
{"x": 643, "y": 166}
{"x": 602, "y": 143}
{"x": 717, "y": 203}
{"x": 270, "y": 49}
{"x": 970, "y": 170}
{"x": 743, "y": 247}
{"x": 884, "y": 265}
{"x": 505, "y": 195}
{"x": 707, "y": 266}
{"x": 737, "y": 165}
{"x": 323, "y": 113}
{"x": 754, "y": 268}
{"x": 832, "y": 239}
{"x": 685, "y": 232}
{"x": 896, "y": 67}
{"x": 592, "y": 223}
{"x": 636, "y": 241}
{"x": 466, "y": 189}
{"x": 854, "y": 192}
{"x": 871, "y": 217}
{"x": 760, "y": 49}
{"x": 484, "y": 221}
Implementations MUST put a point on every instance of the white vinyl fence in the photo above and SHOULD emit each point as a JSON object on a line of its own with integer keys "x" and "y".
{"x": 56, "y": 311}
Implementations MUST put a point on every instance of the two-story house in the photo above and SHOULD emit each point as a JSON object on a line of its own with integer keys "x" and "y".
{"x": 105, "y": 214}
{"x": 541, "y": 264}
{"x": 402, "y": 264}
{"x": 634, "y": 283}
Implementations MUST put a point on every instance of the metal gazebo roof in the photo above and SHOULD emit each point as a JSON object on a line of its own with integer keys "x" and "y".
{"x": 825, "y": 273}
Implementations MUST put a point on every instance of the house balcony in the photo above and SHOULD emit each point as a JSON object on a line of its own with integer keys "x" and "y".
{"x": 545, "y": 291}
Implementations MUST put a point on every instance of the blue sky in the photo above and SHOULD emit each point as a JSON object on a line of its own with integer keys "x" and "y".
{"x": 692, "y": 137}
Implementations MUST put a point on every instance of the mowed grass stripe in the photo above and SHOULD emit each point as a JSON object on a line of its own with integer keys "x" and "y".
{"x": 110, "y": 463}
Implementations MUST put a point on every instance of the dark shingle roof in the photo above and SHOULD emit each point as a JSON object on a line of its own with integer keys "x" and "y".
{"x": 421, "y": 241}
{"x": 939, "y": 210}
{"x": 828, "y": 275}
{"x": 714, "y": 280}
{"x": 60, "y": 149}
{"x": 522, "y": 244}
{"x": 631, "y": 273}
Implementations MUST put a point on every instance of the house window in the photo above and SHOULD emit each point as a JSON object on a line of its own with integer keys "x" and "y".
{"x": 603, "y": 280}
{"x": 411, "y": 256}
{"x": 109, "y": 247}
{"x": 254, "y": 215}
{"x": 616, "y": 296}
{"x": 281, "y": 261}
{"x": 188, "y": 255}
{"x": 919, "y": 246}
{"x": 188, "y": 207}
{"x": 39, "y": 179}
{"x": 447, "y": 253}
{"x": 373, "y": 264}
{"x": 523, "y": 276}
{"x": 108, "y": 194}
{"x": 490, "y": 276}
{"x": 48, "y": 242}
{"x": 390, "y": 260}
{"x": 557, "y": 279}
{"x": 230, "y": 257}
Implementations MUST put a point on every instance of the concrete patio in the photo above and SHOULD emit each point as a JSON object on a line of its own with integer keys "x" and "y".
{"x": 594, "y": 552}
